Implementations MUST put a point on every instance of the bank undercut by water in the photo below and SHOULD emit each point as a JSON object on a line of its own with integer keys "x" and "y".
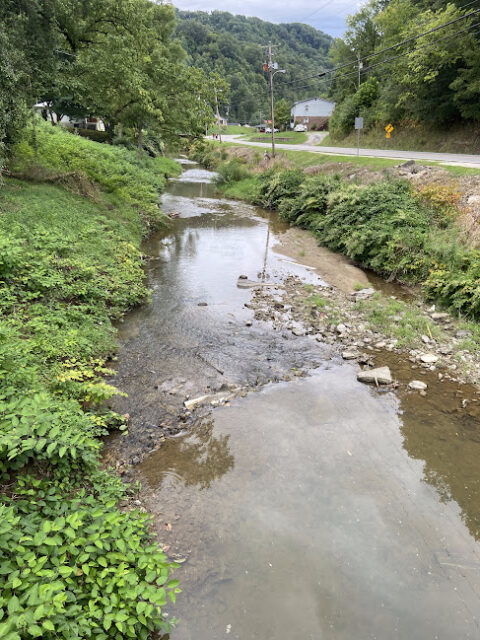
{"x": 73, "y": 564}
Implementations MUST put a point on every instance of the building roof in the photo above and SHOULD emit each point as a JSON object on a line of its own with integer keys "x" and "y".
{"x": 311, "y": 100}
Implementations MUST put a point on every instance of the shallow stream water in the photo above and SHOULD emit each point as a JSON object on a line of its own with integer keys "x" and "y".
{"x": 316, "y": 508}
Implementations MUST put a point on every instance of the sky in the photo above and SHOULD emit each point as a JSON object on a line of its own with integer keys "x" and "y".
{"x": 326, "y": 15}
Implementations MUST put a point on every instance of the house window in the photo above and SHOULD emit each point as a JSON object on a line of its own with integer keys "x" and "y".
{"x": 305, "y": 121}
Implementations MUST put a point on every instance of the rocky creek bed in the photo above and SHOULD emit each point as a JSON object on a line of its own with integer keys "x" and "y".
{"x": 243, "y": 399}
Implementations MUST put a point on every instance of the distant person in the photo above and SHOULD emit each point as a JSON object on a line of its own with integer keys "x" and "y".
{"x": 266, "y": 156}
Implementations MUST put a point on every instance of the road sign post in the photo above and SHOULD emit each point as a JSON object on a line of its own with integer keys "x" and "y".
{"x": 389, "y": 128}
{"x": 358, "y": 127}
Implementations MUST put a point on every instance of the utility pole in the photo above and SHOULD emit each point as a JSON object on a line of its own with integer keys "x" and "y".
{"x": 272, "y": 68}
{"x": 360, "y": 121}
{"x": 270, "y": 72}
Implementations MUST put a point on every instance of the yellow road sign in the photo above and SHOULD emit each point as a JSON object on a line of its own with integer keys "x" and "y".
{"x": 389, "y": 128}
{"x": 388, "y": 134}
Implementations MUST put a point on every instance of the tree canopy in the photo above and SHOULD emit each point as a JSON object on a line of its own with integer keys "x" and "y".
{"x": 432, "y": 78}
{"x": 116, "y": 59}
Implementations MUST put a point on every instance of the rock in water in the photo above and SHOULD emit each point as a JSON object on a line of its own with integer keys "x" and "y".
{"x": 381, "y": 375}
{"x": 417, "y": 385}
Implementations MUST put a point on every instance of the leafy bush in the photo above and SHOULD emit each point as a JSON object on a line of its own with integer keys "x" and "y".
{"x": 74, "y": 566}
{"x": 382, "y": 226}
{"x": 311, "y": 201}
{"x": 275, "y": 186}
{"x": 231, "y": 171}
{"x": 93, "y": 134}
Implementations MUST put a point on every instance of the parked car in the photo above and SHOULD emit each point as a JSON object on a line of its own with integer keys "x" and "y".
{"x": 300, "y": 127}
{"x": 268, "y": 130}
{"x": 261, "y": 129}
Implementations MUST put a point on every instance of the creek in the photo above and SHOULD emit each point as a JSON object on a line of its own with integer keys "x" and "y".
{"x": 312, "y": 507}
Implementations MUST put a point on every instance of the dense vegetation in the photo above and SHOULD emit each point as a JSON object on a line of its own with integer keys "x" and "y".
{"x": 233, "y": 46}
{"x": 402, "y": 233}
{"x": 432, "y": 79}
{"x": 114, "y": 59}
{"x": 73, "y": 564}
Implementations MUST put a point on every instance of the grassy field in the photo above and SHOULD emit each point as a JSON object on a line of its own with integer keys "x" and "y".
{"x": 304, "y": 159}
{"x": 455, "y": 139}
{"x": 284, "y": 137}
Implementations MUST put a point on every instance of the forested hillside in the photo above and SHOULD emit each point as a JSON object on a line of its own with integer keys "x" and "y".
{"x": 430, "y": 80}
{"x": 233, "y": 47}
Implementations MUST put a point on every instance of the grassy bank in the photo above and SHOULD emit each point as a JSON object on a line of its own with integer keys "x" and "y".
{"x": 408, "y": 137}
{"x": 411, "y": 234}
{"x": 73, "y": 564}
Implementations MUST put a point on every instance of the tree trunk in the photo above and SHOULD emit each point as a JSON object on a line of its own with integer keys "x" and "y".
{"x": 140, "y": 140}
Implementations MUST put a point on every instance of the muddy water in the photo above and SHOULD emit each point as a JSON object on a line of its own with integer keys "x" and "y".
{"x": 316, "y": 508}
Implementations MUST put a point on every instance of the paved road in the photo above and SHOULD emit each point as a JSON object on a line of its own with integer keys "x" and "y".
{"x": 459, "y": 159}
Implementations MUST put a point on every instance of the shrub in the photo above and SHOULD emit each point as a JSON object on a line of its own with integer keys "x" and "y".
{"x": 74, "y": 566}
{"x": 275, "y": 186}
{"x": 311, "y": 201}
{"x": 93, "y": 134}
{"x": 231, "y": 171}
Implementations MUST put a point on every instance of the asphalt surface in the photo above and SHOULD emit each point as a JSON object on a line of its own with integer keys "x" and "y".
{"x": 459, "y": 159}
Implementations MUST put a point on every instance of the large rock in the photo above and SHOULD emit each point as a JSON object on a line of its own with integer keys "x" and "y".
{"x": 380, "y": 375}
{"x": 363, "y": 294}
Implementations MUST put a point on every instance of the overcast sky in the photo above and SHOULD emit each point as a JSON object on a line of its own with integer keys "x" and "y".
{"x": 326, "y": 15}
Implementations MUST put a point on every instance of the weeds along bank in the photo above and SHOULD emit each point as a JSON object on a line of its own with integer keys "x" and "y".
{"x": 411, "y": 234}
{"x": 73, "y": 565}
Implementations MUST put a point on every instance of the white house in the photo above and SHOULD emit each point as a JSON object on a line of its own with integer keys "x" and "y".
{"x": 313, "y": 112}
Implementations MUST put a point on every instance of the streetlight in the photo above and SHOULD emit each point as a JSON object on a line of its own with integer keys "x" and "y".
{"x": 272, "y": 73}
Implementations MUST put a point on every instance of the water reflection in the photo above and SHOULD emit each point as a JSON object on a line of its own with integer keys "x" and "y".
{"x": 197, "y": 458}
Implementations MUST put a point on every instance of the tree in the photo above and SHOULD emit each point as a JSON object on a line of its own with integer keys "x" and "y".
{"x": 282, "y": 114}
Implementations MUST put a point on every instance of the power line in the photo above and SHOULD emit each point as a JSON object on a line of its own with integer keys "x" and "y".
{"x": 378, "y": 64}
{"x": 394, "y": 46}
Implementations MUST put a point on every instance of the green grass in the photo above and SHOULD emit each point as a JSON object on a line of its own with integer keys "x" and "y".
{"x": 241, "y": 190}
{"x": 52, "y": 152}
{"x": 304, "y": 159}
{"x": 292, "y": 137}
{"x": 454, "y": 139}
{"x": 398, "y": 320}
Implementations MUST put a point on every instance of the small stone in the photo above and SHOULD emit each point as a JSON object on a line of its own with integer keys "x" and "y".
{"x": 341, "y": 328}
{"x": 380, "y": 345}
{"x": 363, "y": 294}
{"x": 243, "y": 277}
{"x": 440, "y": 317}
{"x": 202, "y": 304}
{"x": 423, "y": 393}
{"x": 248, "y": 323}
{"x": 425, "y": 339}
{"x": 381, "y": 375}
{"x": 298, "y": 332}
{"x": 350, "y": 354}
{"x": 463, "y": 333}
{"x": 417, "y": 385}
{"x": 428, "y": 358}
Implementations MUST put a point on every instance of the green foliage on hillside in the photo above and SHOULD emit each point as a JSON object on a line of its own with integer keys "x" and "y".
{"x": 73, "y": 565}
{"x": 232, "y": 46}
{"x": 433, "y": 79}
